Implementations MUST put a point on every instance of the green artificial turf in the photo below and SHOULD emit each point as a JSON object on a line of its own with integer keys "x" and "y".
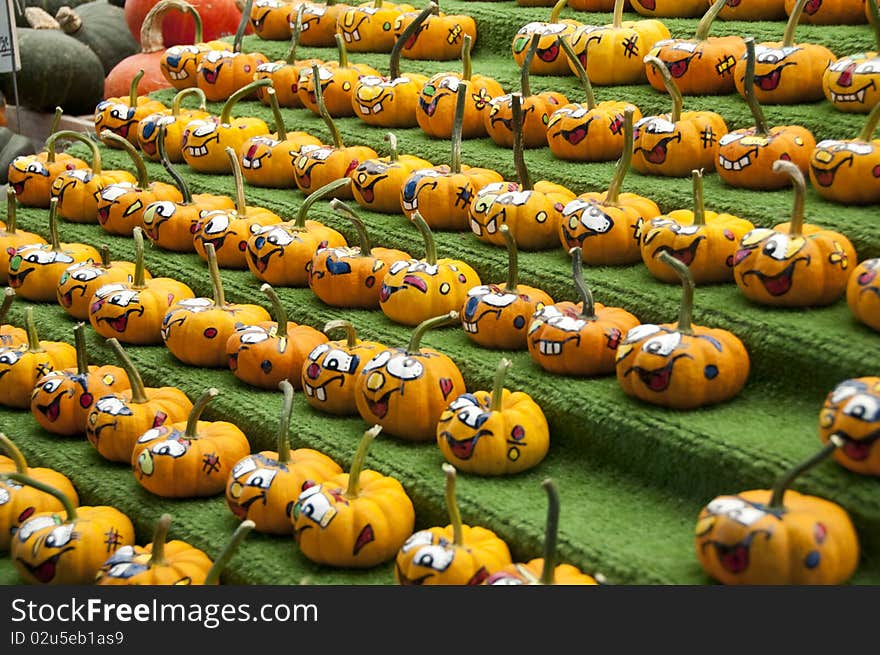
{"x": 632, "y": 476}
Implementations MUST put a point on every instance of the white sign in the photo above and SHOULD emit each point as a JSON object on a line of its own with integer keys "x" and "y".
{"x": 9, "y": 61}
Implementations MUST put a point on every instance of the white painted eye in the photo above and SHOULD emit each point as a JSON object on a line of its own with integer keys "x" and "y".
{"x": 566, "y": 323}
{"x": 171, "y": 448}
{"x": 416, "y": 540}
{"x": 114, "y": 192}
{"x": 688, "y": 230}
{"x": 243, "y": 467}
{"x": 765, "y": 55}
{"x": 515, "y": 198}
{"x": 8, "y": 356}
{"x": 315, "y": 506}
{"x": 595, "y": 220}
{"x": 261, "y": 478}
{"x": 121, "y": 112}
{"x": 472, "y": 416}
{"x": 84, "y": 272}
{"x": 213, "y": 56}
{"x": 81, "y": 174}
{"x": 161, "y": 208}
{"x": 217, "y": 223}
{"x": 35, "y": 524}
{"x": 685, "y": 46}
{"x": 730, "y": 137}
{"x": 53, "y": 382}
{"x": 202, "y": 128}
{"x": 405, "y": 368}
{"x": 868, "y": 68}
{"x": 378, "y": 361}
{"x": 464, "y": 401}
{"x": 846, "y": 389}
{"x": 858, "y": 148}
{"x": 400, "y": 265}
{"x": 864, "y": 408}
{"x": 252, "y": 335}
{"x": 424, "y": 267}
{"x": 736, "y": 509}
{"x": 663, "y": 345}
{"x": 777, "y": 247}
{"x": 113, "y": 406}
{"x": 39, "y": 256}
{"x": 124, "y": 298}
{"x": 5, "y": 497}
{"x": 60, "y": 536}
{"x": 317, "y": 351}
{"x": 151, "y": 435}
{"x": 434, "y": 557}
{"x": 449, "y": 82}
{"x": 339, "y": 360}
{"x": 321, "y": 153}
{"x": 36, "y": 167}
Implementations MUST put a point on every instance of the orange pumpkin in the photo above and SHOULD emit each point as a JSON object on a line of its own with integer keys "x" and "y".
{"x": 863, "y": 293}
{"x": 336, "y": 81}
{"x": 270, "y": 19}
{"x": 366, "y": 27}
{"x": 852, "y": 83}
{"x": 851, "y": 413}
{"x": 9, "y": 334}
{"x": 670, "y": 8}
{"x": 831, "y": 12}
{"x": 121, "y": 115}
{"x": 80, "y": 281}
{"x": 174, "y": 122}
{"x": 11, "y": 238}
{"x": 439, "y": 36}
{"x": 376, "y": 183}
{"x": 750, "y": 10}
{"x": 550, "y": 58}
{"x": 319, "y": 22}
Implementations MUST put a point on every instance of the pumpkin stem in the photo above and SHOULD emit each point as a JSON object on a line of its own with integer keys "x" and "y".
{"x": 216, "y": 280}
{"x": 183, "y": 93}
{"x": 761, "y": 127}
{"x": 617, "y": 20}
{"x": 284, "y": 425}
{"x": 411, "y": 30}
{"x": 8, "y": 298}
{"x": 133, "y": 89}
{"x": 452, "y": 505}
{"x": 551, "y": 532}
{"x": 708, "y": 18}
{"x": 671, "y": 88}
{"x": 151, "y": 29}
{"x": 195, "y": 414}
{"x": 243, "y": 92}
{"x": 800, "y": 194}
{"x": 467, "y": 68}
{"x": 290, "y": 57}
{"x": 53, "y": 224}
{"x": 557, "y": 10}
{"x": 82, "y": 355}
{"x": 69, "y": 507}
{"x": 699, "y": 201}
{"x": 870, "y": 127}
{"x": 580, "y": 70}
{"x": 160, "y": 536}
{"x": 70, "y": 134}
{"x": 777, "y": 498}
{"x": 457, "y": 125}
{"x": 139, "y": 281}
{"x": 56, "y": 120}
{"x": 519, "y": 160}
{"x": 685, "y": 313}
{"x": 342, "y": 57}
{"x": 512, "y": 260}
{"x": 791, "y": 25}
{"x": 280, "y": 129}
{"x": 316, "y": 195}
{"x": 393, "y": 155}
{"x": 524, "y": 78}
{"x": 143, "y": 178}
{"x": 278, "y": 310}
{"x": 415, "y": 339}
{"x": 176, "y": 177}
{"x": 11, "y": 212}
{"x": 238, "y": 182}
{"x": 427, "y": 236}
{"x": 350, "y": 331}
{"x": 623, "y": 164}
{"x": 138, "y": 391}
{"x": 588, "y": 305}
{"x": 31, "y": 329}
{"x": 347, "y": 212}
{"x": 498, "y": 384}
{"x": 874, "y": 20}
{"x": 354, "y": 473}
{"x": 322, "y": 108}
{"x": 14, "y": 453}
{"x": 242, "y": 25}
{"x": 104, "y": 251}
{"x": 223, "y": 559}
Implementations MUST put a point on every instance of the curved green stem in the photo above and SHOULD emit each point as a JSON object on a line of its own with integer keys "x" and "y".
{"x": 870, "y": 127}
{"x": 69, "y": 507}
{"x": 347, "y": 212}
{"x": 498, "y": 384}
{"x": 11, "y": 210}
{"x": 133, "y": 89}
{"x": 351, "y": 339}
{"x": 160, "y": 536}
{"x": 199, "y": 31}
{"x": 242, "y": 25}
{"x": 280, "y": 129}
{"x": 342, "y": 51}
{"x": 623, "y": 164}
{"x": 467, "y": 68}
{"x": 143, "y": 178}
{"x": 796, "y": 226}
{"x": 791, "y": 25}
{"x": 685, "y": 312}
{"x": 699, "y": 200}
{"x": 284, "y": 426}
{"x": 551, "y": 532}
{"x": 512, "y": 260}
{"x": 415, "y": 339}
{"x": 357, "y": 465}
{"x": 580, "y": 70}
{"x": 457, "y": 125}
{"x": 14, "y": 453}
{"x": 617, "y": 20}
{"x": 243, "y": 92}
{"x": 229, "y": 550}
{"x": 452, "y": 506}
{"x": 777, "y": 498}
{"x": 8, "y": 298}
{"x": 557, "y": 10}
{"x": 393, "y": 154}
{"x": 328, "y": 189}
{"x": 874, "y": 20}
{"x": 184, "y": 93}
{"x": 409, "y": 32}
{"x": 216, "y": 280}
{"x": 176, "y": 177}
{"x": 238, "y": 183}
{"x": 139, "y": 282}
{"x": 82, "y": 355}
{"x": 524, "y": 78}
{"x": 761, "y": 127}
{"x": 427, "y": 237}
{"x": 290, "y": 57}
{"x": 56, "y": 120}
{"x": 588, "y": 305}
{"x": 278, "y": 311}
{"x": 192, "y": 421}
{"x": 519, "y": 159}
{"x": 708, "y": 18}
{"x": 138, "y": 391}
{"x": 30, "y": 327}
{"x": 322, "y": 108}
{"x": 54, "y": 240}
{"x": 70, "y": 134}
{"x": 669, "y": 83}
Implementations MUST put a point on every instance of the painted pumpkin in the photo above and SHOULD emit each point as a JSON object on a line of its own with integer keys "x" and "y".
{"x": 851, "y": 413}
{"x": 751, "y": 10}
{"x": 550, "y": 58}
{"x": 681, "y": 365}
{"x": 367, "y": 27}
{"x": 456, "y": 554}
{"x": 831, "y": 12}
{"x": 179, "y": 64}
{"x": 405, "y": 390}
{"x": 578, "y": 339}
{"x": 266, "y": 353}
{"x": 786, "y": 72}
{"x": 439, "y": 37}
{"x": 9, "y": 334}
{"x": 11, "y": 238}
{"x": 330, "y": 372}
{"x": 497, "y": 432}
{"x": 670, "y": 8}
{"x": 66, "y": 547}
{"x": 414, "y": 290}
{"x": 777, "y": 536}
{"x": 80, "y": 281}
{"x": 188, "y": 459}
{"x": 352, "y": 276}
{"x": 852, "y": 83}
{"x": 196, "y": 330}
{"x": 674, "y": 144}
{"x": 270, "y": 19}
{"x": 794, "y": 264}
{"x": 121, "y": 115}
{"x": 358, "y": 519}
{"x": 376, "y": 183}
{"x": 498, "y": 315}
{"x": 704, "y": 241}
{"x": 863, "y": 293}
{"x": 336, "y": 80}
{"x": 319, "y": 22}
{"x": 175, "y": 122}
{"x": 263, "y": 487}
{"x": 117, "y": 420}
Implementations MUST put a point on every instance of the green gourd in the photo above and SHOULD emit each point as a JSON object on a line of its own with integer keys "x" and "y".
{"x": 102, "y": 27}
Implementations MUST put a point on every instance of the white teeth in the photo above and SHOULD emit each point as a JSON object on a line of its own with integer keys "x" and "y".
{"x": 347, "y": 37}
{"x": 310, "y": 391}
{"x": 492, "y": 226}
{"x": 356, "y": 35}
{"x": 377, "y": 108}
{"x": 201, "y": 151}
{"x": 470, "y": 327}
{"x": 410, "y": 206}
{"x": 365, "y": 109}
{"x": 476, "y": 228}
{"x": 246, "y": 162}
{"x": 177, "y": 75}
{"x": 320, "y": 394}
{"x": 304, "y": 27}
{"x": 859, "y": 96}
{"x": 737, "y": 165}
{"x": 549, "y": 347}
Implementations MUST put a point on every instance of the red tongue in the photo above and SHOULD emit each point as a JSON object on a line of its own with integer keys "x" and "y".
{"x": 650, "y": 5}
{"x": 67, "y": 299}
{"x": 740, "y": 255}
{"x": 306, "y": 180}
{"x": 574, "y": 137}
{"x": 384, "y": 293}
{"x": 685, "y": 256}
{"x": 368, "y": 195}
{"x": 846, "y": 76}
{"x": 812, "y": 7}
{"x": 778, "y": 285}
{"x": 52, "y": 411}
{"x": 678, "y": 68}
{"x": 824, "y": 178}
{"x": 857, "y": 450}
{"x": 18, "y": 187}
{"x": 119, "y": 324}
{"x": 549, "y": 54}
{"x": 45, "y": 572}
{"x": 122, "y": 131}
{"x": 462, "y": 449}
{"x": 657, "y": 155}
{"x": 770, "y": 81}
{"x": 660, "y": 380}
{"x": 867, "y": 277}
{"x": 735, "y": 560}
{"x": 239, "y": 511}
{"x": 411, "y": 41}
{"x": 211, "y": 76}
{"x": 378, "y": 407}
{"x": 149, "y": 147}
{"x": 103, "y": 214}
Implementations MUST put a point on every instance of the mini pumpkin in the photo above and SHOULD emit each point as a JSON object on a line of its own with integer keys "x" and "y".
{"x": 794, "y": 264}
{"x": 852, "y": 83}
{"x": 336, "y": 81}
{"x": 376, "y": 183}
{"x": 681, "y": 365}
{"x": 851, "y": 414}
{"x": 670, "y": 8}
{"x": 270, "y": 19}
{"x": 66, "y": 547}
{"x": 550, "y": 58}
{"x": 174, "y": 122}
{"x": 179, "y": 64}
{"x": 777, "y": 536}
{"x": 346, "y": 276}
{"x": 405, "y": 390}
{"x": 751, "y": 10}
{"x": 121, "y": 115}
{"x": 495, "y": 432}
{"x": 319, "y": 22}
{"x": 266, "y": 353}
{"x": 9, "y": 334}
{"x": 456, "y": 554}
{"x": 330, "y": 372}
{"x": 263, "y": 487}
{"x": 358, "y": 519}
{"x": 863, "y": 293}
{"x": 367, "y": 27}
{"x": 831, "y": 12}
{"x": 439, "y": 37}
{"x": 78, "y": 283}
{"x": 117, "y": 420}
{"x": 578, "y": 339}
{"x": 11, "y": 238}
{"x": 188, "y": 459}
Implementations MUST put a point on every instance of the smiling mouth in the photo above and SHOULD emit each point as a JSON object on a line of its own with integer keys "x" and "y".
{"x": 53, "y": 410}
{"x": 858, "y": 450}
{"x": 737, "y": 165}
{"x": 18, "y": 187}
{"x": 66, "y": 298}
{"x": 734, "y": 559}
{"x": 825, "y": 177}
{"x": 779, "y": 284}
{"x": 429, "y": 107}
{"x": 657, "y": 154}
{"x": 677, "y": 69}
{"x": 321, "y": 392}
{"x": 211, "y": 75}
{"x": 379, "y": 408}
{"x": 463, "y": 448}
{"x": 685, "y": 255}
{"x": 217, "y": 242}
{"x": 261, "y": 263}
{"x": 149, "y": 147}
{"x": 548, "y": 54}
{"x": 17, "y": 279}
{"x": 120, "y": 323}
{"x": 45, "y": 571}
{"x": 405, "y": 581}
{"x": 657, "y": 379}
{"x": 770, "y": 81}
{"x": 506, "y": 122}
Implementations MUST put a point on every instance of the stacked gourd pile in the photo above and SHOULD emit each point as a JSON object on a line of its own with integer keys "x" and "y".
{"x": 705, "y": 419}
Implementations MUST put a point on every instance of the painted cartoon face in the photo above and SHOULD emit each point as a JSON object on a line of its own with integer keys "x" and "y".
{"x": 160, "y": 212}
{"x": 164, "y": 443}
{"x": 853, "y": 81}
{"x": 566, "y": 321}
{"x": 653, "y": 137}
{"x": 418, "y": 181}
{"x": 583, "y": 219}
{"x": 435, "y": 90}
{"x": 770, "y": 62}
{"x": 270, "y": 242}
{"x": 487, "y": 302}
{"x": 218, "y": 226}
{"x": 263, "y": 9}
{"x": 116, "y": 117}
{"x": 214, "y": 62}
{"x": 571, "y": 123}
{"x": 832, "y": 157}
{"x": 373, "y": 94}
{"x": 180, "y": 62}
{"x": 251, "y": 479}
{"x": 386, "y": 376}
{"x": 310, "y": 162}
{"x": 739, "y": 149}
{"x": 368, "y": 175}
{"x": 200, "y": 137}
{"x": 664, "y": 345}
{"x": 772, "y": 258}
{"x": 852, "y": 412}
{"x": 307, "y": 82}
{"x": 354, "y": 21}
{"x": 548, "y": 48}
{"x": 687, "y": 239}
{"x": 259, "y": 151}
{"x": 678, "y": 55}
{"x": 70, "y": 181}
{"x": 734, "y": 528}
{"x": 119, "y": 193}
{"x": 483, "y": 203}
{"x": 148, "y": 132}
{"x": 432, "y": 553}
{"x": 30, "y": 258}
{"x": 51, "y": 539}
{"x": 316, "y": 505}
{"x": 115, "y": 305}
{"x": 25, "y": 168}
{"x": 312, "y": 14}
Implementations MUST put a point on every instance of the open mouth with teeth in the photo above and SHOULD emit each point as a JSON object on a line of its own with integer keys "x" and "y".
{"x": 779, "y": 284}
{"x": 379, "y": 407}
{"x": 551, "y": 347}
{"x": 657, "y": 154}
{"x": 197, "y": 151}
{"x": 738, "y": 164}
{"x": 855, "y": 96}
{"x": 45, "y": 571}
{"x": 53, "y": 410}
{"x": 471, "y": 323}
{"x": 120, "y": 323}
{"x": 217, "y": 241}
{"x": 253, "y": 158}
{"x": 464, "y": 448}
{"x": 685, "y": 255}
{"x": 858, "y": 450}
{"x": 825, "y": 176}
{"x": 657, "y": 379}
{"x": 211, "y": 74}
{"x": 177, "y": 74}
{"x": 320, "y": 392}
{"x": 735, "y": 558}
{"x": 770, "y": 81}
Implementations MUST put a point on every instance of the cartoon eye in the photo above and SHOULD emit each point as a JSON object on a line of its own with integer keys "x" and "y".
{"x": 736, "y": 509}
{"x": 770, "y": 55}
{"x": 261, "y": 478}
{"x": 685, "y": 46}
{"x": 40, "y": 257}
{"x": 867, "y": 68}
{"x": 114, "y": 192}
{"x": 472, "y": 416}
{"x": 864, "y": 408}
{"x": 663, "y": 345}
{"x": 857, "y": 148}
{"x": 640, "y": 332}
{"x": 36, "y": 167}
{"x": 317, "y": 351}
{"x": 424, "y": 267}
{"x": 172, "y": 448}
{"x": 316, "y": 506}
{"x": 113, "y": 405}
{"x": 35, "y": 524}
{"x": 244, "y": 466}
{"x": 846, "y": 389}
{"x": 85, "y": 273}
{"x": 378, "y": 361}
{"x": 9, "y": 357}
{"x": 252, "y": 335}
{"x": 341, "y": 361}
{"x": 217, "y": 224}
{"x": 656, "y": 125}
{"x": 161, "y": 208}
{"x": 449, "y": 82}
{"x": 51, "y": 385}
{"x": 417, "y": 539}
{"x": 778, "y": 247}
{"x": 434, "y": 557}
{"x": 595, "y": 220}
{"x": 398, "y": 266}
{"x": 729, "y": 138}
{"x": 203, "y": 128}
{"x": 60, "y": 536}
{"x": 122, "y": 112}
{"x": 688, "y": 230}
{"x": 279, "y": 238}
{"x": 492, "y": 297}
{"x": 405, "y": 368}
{"x": 123, "y": 298}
